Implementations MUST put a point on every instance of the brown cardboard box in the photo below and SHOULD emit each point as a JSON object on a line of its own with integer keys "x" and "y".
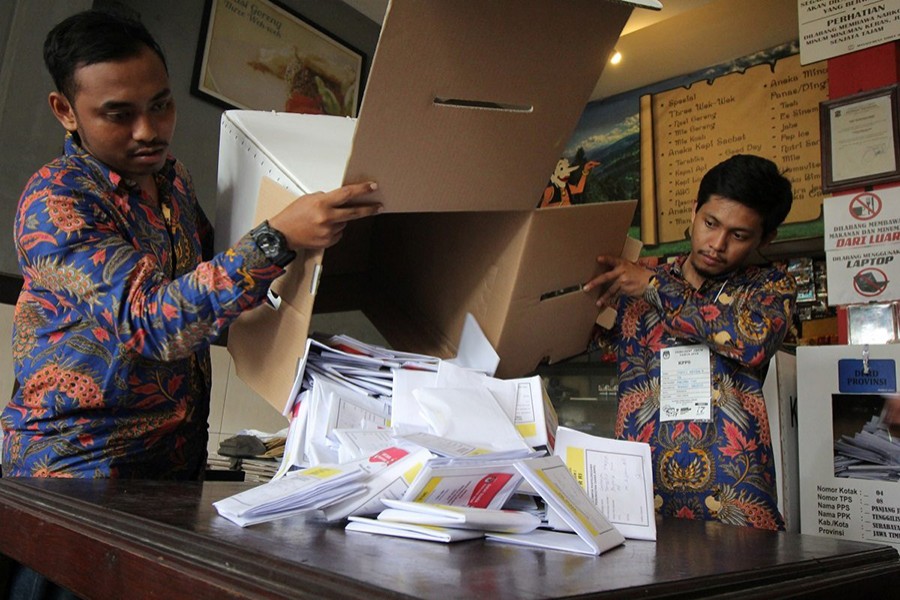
{"x": 458, "y": 180}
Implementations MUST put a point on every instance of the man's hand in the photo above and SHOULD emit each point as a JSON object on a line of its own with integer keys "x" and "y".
{"x": 621, "y": 277}
{"x": 317, "y": 220}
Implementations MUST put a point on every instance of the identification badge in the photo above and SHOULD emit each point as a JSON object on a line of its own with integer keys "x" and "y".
{"x": 685, "y": 384}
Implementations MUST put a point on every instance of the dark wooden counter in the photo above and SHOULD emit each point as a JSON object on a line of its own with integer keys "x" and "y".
{"x": 143, "y": 539}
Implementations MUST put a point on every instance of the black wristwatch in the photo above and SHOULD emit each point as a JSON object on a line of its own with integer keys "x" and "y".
{"x": 272, "y": 243}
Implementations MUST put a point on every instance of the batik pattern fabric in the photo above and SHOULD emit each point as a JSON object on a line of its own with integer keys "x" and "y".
{"x": 722, "y": 469}
{"x": 113, "y": 325}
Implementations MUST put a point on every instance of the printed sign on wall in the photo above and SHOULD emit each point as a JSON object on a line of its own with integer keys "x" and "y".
{"x": 862, "y": 244}
{"x": 831, "y": 28}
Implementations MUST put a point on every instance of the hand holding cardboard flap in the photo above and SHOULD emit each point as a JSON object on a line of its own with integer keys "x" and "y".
{"x": 316, "y": 221}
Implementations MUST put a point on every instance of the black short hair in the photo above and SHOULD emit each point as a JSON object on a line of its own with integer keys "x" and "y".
{"x": 91, "y": 37}
{"x": 753, "y": 181}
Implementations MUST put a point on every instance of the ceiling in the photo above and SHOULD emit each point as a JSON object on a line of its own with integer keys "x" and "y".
{"x": 684, "y": 37}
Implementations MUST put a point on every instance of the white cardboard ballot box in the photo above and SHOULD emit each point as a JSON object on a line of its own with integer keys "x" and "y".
{"x": 467, "y": 108}
{"x": 849, "y": 442}
{"x": 780, "y": 392}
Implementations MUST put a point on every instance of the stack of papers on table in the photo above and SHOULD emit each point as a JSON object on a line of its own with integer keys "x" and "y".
{"x": 345, "y": 387}
{"x": 371, "y": 426}
{"x": 593, "y": 533}
{"x": 342, "y": 384}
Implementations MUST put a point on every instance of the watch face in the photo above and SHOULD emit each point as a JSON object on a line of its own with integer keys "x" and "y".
{"x": 272, "y": 244}
{"x": 268, "y": 242}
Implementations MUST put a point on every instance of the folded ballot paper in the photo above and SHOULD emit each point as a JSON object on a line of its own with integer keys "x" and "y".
{"x": 524, "y": 400}
{"x": 296, "y": 493}
{"x": 334, "y": 490}
{"x": 474, "y": 482}
{"x": 553, "y": 481}
{"x": 462, "y": 517}
{"x": 469, "y": 415}
{"x": 431, "y": 533}
{"x": 617, "y": 476}
{"x": 443, "y": 523}
{"x": 392, "y": 479}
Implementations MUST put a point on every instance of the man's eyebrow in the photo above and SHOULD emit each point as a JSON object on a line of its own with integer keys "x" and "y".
{"x": 748, "y": 230}
{"x": 114, "y": 104}
{"x": 162, "y": 94}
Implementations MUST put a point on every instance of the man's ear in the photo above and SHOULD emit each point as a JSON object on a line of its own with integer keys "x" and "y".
{"x": 63, "y": 111}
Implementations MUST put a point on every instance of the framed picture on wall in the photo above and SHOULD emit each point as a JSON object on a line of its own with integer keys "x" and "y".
{"x": 860, "y": 139}
{"x": 259, "y": 55}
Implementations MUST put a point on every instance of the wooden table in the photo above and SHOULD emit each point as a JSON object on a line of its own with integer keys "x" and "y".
{"x": 145, "y": 539}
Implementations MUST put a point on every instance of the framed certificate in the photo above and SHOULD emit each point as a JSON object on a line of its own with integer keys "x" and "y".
{"x": 859, "y": 136}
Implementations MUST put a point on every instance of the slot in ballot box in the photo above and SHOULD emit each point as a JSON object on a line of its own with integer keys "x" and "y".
{"x": 464, "y": 117}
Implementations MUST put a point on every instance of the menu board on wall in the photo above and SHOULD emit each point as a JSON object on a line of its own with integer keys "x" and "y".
{"x": 768, "y": 110}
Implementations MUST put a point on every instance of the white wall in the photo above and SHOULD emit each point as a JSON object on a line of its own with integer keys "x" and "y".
{"x": 6, "y": 367}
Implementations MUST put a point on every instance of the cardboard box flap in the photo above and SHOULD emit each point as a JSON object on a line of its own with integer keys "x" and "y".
{"x": 266, "y": 343}
{"x": 469, "y": 105}
{"x": 549, "y": 317}
{"x": 518, "y": 273}
{"x": 435, "y": 267}
{"x": 302, "y": 153}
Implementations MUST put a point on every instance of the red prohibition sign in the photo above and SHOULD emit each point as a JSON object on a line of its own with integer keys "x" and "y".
{"x": 865, "y": 206}
{"x": 870, "y": 282}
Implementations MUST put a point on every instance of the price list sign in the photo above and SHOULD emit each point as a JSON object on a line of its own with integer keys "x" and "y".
{"x": 767, "y": 110}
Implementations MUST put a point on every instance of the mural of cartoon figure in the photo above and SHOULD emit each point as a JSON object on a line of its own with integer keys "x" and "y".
{"x": 559, "y": 192}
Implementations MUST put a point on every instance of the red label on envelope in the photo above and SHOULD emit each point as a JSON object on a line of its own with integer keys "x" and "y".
{"x": 388, "y": 455}
{"x": 487, "y": 488}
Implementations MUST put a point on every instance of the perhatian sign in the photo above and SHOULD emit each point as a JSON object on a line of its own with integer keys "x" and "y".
{"x": 830, "y": 28}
